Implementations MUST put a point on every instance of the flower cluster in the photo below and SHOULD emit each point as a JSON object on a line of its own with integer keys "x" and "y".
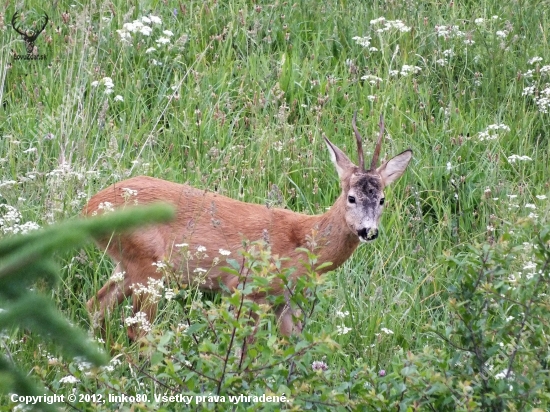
{"x": 448, "y": 32}
{"x": 491, "y": 132}
{"x": 139, "y": 319}
{"x": 538, "y": 88}
{"x": 154, "y": 289}
{"x": 406, "y": 70}
{"x": 513, "y": 158}
{"x": 319, "y": 366}
{"x": 107, "y": 82}
{"x": 342, "y": 329}
{"x": 362, "y": 41}
{"x": 10, "y": 221}
{"x": 142, "y": 26}
{"x": 382, "y": 25}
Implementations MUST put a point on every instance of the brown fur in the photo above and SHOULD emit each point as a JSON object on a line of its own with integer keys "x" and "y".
{"x": 218, "y": 222}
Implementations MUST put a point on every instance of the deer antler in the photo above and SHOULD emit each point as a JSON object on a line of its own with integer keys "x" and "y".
{"x": 45, "y": 23}
{"x": 13, "y": 24}
{"x": 359, "y": 144}
{"x": 26, "y": 34}
{"x": 378, "y": 144}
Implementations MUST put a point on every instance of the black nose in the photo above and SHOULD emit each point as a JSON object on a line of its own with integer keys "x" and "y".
{"x": 367, "y": 233}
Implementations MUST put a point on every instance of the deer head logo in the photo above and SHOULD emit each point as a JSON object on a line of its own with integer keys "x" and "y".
{"x": 29, "y": 35}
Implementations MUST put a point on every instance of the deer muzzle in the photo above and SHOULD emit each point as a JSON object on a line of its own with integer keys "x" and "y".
{"x": 367, "y": 234}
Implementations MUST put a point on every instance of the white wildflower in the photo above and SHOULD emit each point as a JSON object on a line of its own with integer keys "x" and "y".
{"x": 168, "y": 33}
{"x": 502, "y": 375}
{"x": 155, "y": 19}
{"x": 153, "y": 291}
{"x": 514, "y": 158}
{"x": 541, "y": 197}
{"x": 342, "y": 329}
{"x": 362, "y": 41}
{"x": 387, "y": 331}
{"x": 108, "y": 82}
{"x": 201, "y": 248}
{"x": 125, "y": 35}
{"x": 69, "y": 379}
{"x": 224, "y": 252}
{"x": 140, "y": 319}
{"x": 160, "y": 265}
{"x": 491, "y": 132}
{"x": 146, "y": 30}
{"x": 530, "y": 265}
{"x": 119, "y": 98}
{"x": 10, "y": 221}
{"x": 169, "y": 294}
{"x": 448, "y": 53}
{"x": 389, "y": 25}
{"x": 372, "y": 79}
{"x": 163, "y": 40}
{"x": 83, "y": 365}
{"x": 126, "y": 192}
{"x": 528, "y": 91}
{"x": 118, "y": 277}
{"x": 341, "y": 314}
{"x": 534, "y": 60}
{"x": 448, "y": 32}
{"x": 406, "y": 70}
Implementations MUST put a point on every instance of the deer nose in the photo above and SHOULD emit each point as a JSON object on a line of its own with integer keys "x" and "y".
{"x": 366, "y": 234}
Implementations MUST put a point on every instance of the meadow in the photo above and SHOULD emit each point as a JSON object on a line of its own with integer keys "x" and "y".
{"x": 235, "y": 97}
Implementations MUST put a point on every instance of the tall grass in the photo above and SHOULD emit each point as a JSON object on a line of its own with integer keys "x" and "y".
{"x": 237, "y": 101}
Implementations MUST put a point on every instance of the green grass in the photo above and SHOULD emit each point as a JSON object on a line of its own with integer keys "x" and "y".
{"x": 239, "y": 102}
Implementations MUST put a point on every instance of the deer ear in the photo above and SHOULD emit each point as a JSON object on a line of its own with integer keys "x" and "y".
{"x": 343, "y": 165}
{"x": 392, "y": 170}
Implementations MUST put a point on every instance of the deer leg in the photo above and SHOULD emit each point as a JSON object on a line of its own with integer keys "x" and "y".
{"x": 284, "y": 319}
{"x": 284, "y": 314}
{"x": 145, "y": 296}
{"x": 108, "y": 297}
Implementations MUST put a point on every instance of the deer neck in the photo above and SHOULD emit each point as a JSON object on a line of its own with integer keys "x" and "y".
{"x": 335, "y": 240}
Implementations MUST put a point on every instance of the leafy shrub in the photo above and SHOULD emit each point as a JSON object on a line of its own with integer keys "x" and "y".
{"x": 493, "y": 355}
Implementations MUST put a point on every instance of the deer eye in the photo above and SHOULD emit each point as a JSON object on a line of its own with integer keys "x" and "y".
{"x": 351, "y": 199}
{"x": 381, "y": 201}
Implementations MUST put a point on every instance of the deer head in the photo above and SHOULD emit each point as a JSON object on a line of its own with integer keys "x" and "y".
{"x": 29, "y": 35}
{"x": 362, "y": 189}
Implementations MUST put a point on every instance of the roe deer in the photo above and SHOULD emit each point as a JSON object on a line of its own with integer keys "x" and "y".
{"x": 218, "y": 222}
